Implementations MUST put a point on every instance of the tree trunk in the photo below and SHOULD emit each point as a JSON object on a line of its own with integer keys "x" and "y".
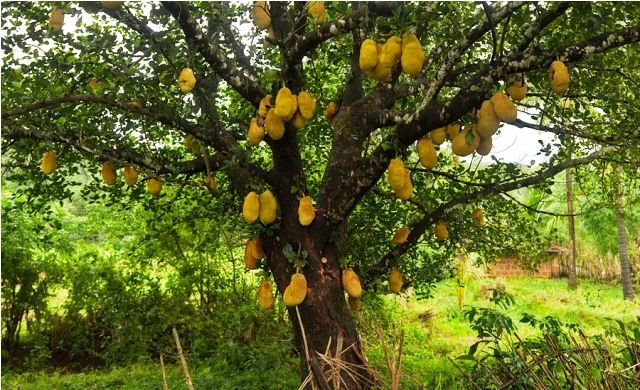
{"x": 573, "y": 279}
{"x": 625, "y": 267}
{"x": 323, "y": 316}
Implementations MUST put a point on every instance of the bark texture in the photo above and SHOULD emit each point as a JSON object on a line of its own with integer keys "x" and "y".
{"x": 625, "y": 265}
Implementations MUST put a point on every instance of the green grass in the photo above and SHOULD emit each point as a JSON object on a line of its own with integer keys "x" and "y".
{"x": 430, "y": 341}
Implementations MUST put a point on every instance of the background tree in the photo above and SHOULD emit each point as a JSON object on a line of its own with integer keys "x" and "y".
{"x": 105, "y": 90}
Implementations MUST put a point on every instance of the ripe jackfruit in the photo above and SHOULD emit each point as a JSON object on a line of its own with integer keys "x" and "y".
{"x": 351, "y": 283}
{"x": 477, "y": 217}
{"x": 380, "y": 72}
{"x": 306, "y": 212}
{"x": 488, "y": 121}
{"x": 306, "y": 105}
{"x": 517, "y": 90}
{"x": 406, "y": 190}
{"x": 395, "y": 281}
{"x": 265, "y": 295}
{"x": 505, "y": 110}
{"x": 466, "y": 142}
{"x": 484, "y": 147}
{"x": 317, "y": 12}
{"x": 438, "y": 135}
{"x": 48, "y": 164}
{"x": 354, "y": 303}
{"x": 427, "y": 153}
{"x": 268, "y": 207}
{"x": 412, "y": 57}
{"x": 296, "y": 291}
{"x": 154, "y": 186}
{"x": 286, "y": 104}
{"x": 130, "y": 175}
{"x": 452, "y": 131}
{"x": 368, "y": 55}
{"x": 187, "y": 80}
{"x": 298, "y": 121}
{"x": 391, "y": 52}
{"x": 441, "y": 230}
{"x": 108, "y": 173}
{"x": 400, "y": 236}
{"x": 252, "y": 253}
{"x": 256, "y": 133}
{"x": 559, "y": 77}
{"x": 251, "y": 207}
{"x": 112, "y": 4}
{"x": 265, "y": 105}
{"x": 56, "y": 19}
{"x": 274, "y": 125}
{"x": 395, "y": 173}
{"x": 260, "y": 14}
{"x": 331, "y": 111}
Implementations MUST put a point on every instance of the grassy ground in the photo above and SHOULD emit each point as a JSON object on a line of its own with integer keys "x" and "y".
{"x": 435, "y": 331}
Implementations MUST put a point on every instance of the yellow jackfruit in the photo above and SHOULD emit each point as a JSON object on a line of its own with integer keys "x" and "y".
{"x": 268, "y": 207}
{"x": 441, "y": 230}
{"x": 154, "y": 186}
{"x": 265, "y": 105}
{"x": 380, "y": 72}
{"x": 187, "y": 80}
{"x": 331, "y": 111}
{"x": 400, "y": 236}
{"x": 286, "y": 104}
{"x": 306, "y": 105}
{"x": 477, "y": 217}
{"x": 298, "y": 121}
{"x": 395, "y": 173}
{"x": 391, "y": 52}
{"x": 252, "y": 253}
{"x": 274, "y": 125}
{"x": 48, "y": 164}
{"x": 395, "y": 281}
{"x": 368, "y": 55}
{"x": 427, "y": 153}
{"x": 296, "y": 291}
{"x": 260, "y": 14}
{"x": 488, "y": 121}
{"x": 559, "y": 77}
{"x": 112, "y": 4}
{"x": 452, "y": 131}
{"x": 265, "y": 295}
{"x": 108, "y": 173}
{"x": 306, "y": 212}
{"x": 130, "y": 175}
{"x": 317, "y": 12}
{"x": 412, "y": 57}
{"x": 438, "y": 135}
{"x": 354, "y": 303}
{"x": 484, "y": 147}
{"x": 56, "y": 19}
{"x": 518, "y": 90}
{"x": 351, "y": 283}
{"x": 406, "y": 190}
{"x": 251, "y": 207}
{"x": 256, "y": 133}
{"x": 504, "y": 108}
{"x": 466, "y": 142}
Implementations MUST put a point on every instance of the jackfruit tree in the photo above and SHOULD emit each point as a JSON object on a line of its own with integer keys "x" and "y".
{"x": 305, "y": 117}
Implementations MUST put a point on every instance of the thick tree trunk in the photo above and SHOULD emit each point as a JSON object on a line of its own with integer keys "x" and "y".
{"x": 625, "y": 267}
{"x": 573, "y": 279}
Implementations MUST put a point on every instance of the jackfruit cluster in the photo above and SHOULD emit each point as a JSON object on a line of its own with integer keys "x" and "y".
{"x": 518, "y": 88}
{"x": 253, "y": 252}
{"x": 399, "y": 179}
{"x": 499, "y": 108}
{"x": 288, "y": 108}
{"x": 377, "y": 60}
{"x": 263, "y": 207}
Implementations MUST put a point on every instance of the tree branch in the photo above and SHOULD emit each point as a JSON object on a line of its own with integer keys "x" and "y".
{"x": 429, "y": 219}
